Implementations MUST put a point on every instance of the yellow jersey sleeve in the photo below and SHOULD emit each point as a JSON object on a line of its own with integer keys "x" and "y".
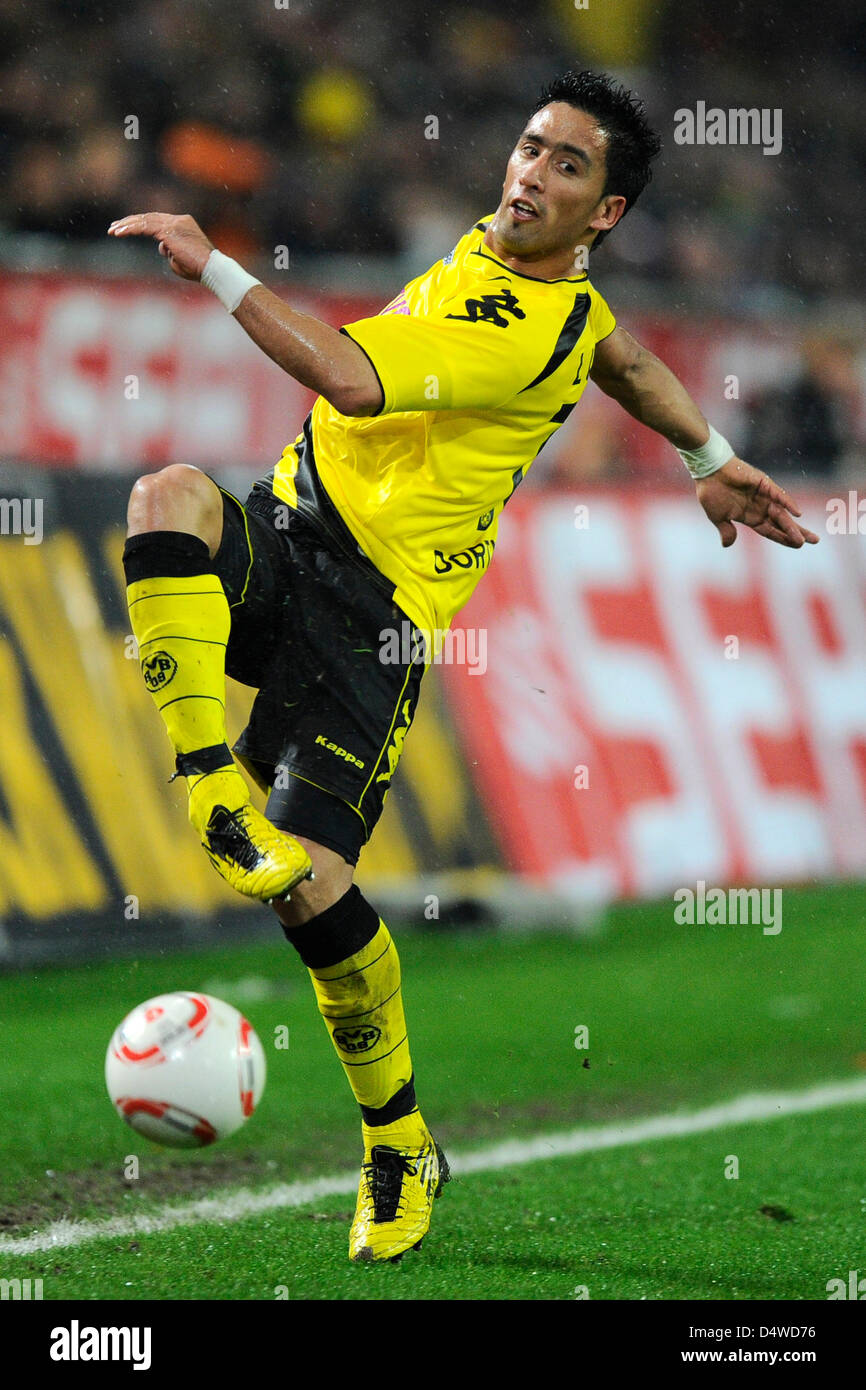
{"x": 601, "y": 320}
{"x": 475, "y": 357}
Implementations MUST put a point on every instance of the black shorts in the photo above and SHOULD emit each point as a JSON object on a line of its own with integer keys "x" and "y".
{"x": 311, "y": 632}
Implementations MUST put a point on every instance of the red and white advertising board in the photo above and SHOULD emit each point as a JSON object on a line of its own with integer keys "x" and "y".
{"x": 99, "y": 373}
{"x": 657, "y": 710}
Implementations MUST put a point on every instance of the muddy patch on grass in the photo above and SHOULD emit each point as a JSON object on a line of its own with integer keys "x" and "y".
{"x": 104, "y": 1191}
{"x": 492, "y": 1122}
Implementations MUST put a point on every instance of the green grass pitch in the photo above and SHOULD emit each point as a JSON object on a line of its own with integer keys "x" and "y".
{"x": 678, "y": 1018}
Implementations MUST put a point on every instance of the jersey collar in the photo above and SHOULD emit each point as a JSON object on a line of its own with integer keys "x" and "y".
{"x": 488, "y": 255}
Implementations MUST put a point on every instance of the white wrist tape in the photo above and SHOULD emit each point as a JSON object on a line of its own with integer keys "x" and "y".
{"x": 227, "y": 280}
{"x": 709, "y": 458}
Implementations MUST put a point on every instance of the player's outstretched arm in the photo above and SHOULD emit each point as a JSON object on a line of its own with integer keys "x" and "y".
{"x": 735, "y": 491}
{"x": 312, "y": 352}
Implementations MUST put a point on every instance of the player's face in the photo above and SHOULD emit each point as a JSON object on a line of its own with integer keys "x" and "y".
{"x": 553, "y": 184}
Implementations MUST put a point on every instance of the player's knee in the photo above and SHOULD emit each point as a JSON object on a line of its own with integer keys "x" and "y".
{"x": 177, "y": 498}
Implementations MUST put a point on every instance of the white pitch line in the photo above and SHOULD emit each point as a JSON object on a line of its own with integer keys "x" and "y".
{"x": 242, "y": 1203}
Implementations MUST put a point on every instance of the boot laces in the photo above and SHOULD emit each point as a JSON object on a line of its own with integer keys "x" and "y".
{"x": 384, "y": 1174}
{"x": 228, "y": 837}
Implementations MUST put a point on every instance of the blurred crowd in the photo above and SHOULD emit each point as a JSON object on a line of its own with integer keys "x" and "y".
{"x": 373, "y": 128}
{"x": 368, "y": 129}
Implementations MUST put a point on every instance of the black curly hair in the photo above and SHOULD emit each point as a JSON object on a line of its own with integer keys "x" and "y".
{"x": 632, "y": 144}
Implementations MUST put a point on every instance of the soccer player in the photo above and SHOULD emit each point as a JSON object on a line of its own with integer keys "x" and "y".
{"x": 383, "y": 511}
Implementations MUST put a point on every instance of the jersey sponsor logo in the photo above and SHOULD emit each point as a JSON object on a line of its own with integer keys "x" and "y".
{"x": 476, "y": 556}
{"x": 490, "y": 309}
{"x": 158, "y": 670}
{"x": 357, "y": 1039}
{"x": 338, "y": 752}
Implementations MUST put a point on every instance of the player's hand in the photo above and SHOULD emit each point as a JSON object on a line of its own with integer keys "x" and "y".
{"x": 737, "y": 492}
{"x": 181, "y": 239}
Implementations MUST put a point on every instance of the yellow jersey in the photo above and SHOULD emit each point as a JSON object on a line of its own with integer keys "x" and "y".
{"x": 479, "y": 365}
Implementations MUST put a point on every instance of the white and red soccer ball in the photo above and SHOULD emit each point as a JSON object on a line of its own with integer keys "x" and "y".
{"x": 185, "y": 1069}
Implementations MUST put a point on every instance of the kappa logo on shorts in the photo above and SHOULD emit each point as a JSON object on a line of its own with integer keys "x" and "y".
{"x": 339, "y": 752}
{"x": 158, "y": 670}
{"x": 357, "y": 1039}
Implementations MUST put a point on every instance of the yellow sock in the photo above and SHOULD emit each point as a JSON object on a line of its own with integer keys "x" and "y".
{"x": 182, "y": 626}
{"x": 361, "y": 1002}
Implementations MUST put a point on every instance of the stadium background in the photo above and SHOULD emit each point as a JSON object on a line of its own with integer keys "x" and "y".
{"x": 613, "y": 747}
{"x": 620, "y": 744}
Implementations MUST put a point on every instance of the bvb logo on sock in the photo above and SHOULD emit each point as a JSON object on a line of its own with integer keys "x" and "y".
{"x": 158, "y": 670}
{"x": 357, "y": 1039}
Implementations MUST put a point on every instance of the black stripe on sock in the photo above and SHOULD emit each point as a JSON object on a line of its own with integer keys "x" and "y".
{"x": 178, "y": 593}
{"x": 402, "y": 1103}
{"x": 177, "y": 636}
{"x": 344, "y": 1018}
{"x": 343, "y": 929}
{"x": 209, "y": 759}
{"x": 374, "y": 1061}
{"x": 165, "y": 555}
{"x": 361, "y": 968}
{"x": 178, "y": 698}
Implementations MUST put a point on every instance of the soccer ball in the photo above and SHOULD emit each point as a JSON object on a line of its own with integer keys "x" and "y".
{"x": 185, "y": 1070}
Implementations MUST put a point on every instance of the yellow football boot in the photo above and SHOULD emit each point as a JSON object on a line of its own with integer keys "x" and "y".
{"x": 251, "y": 855}
{"x": 404, "y": 1169}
